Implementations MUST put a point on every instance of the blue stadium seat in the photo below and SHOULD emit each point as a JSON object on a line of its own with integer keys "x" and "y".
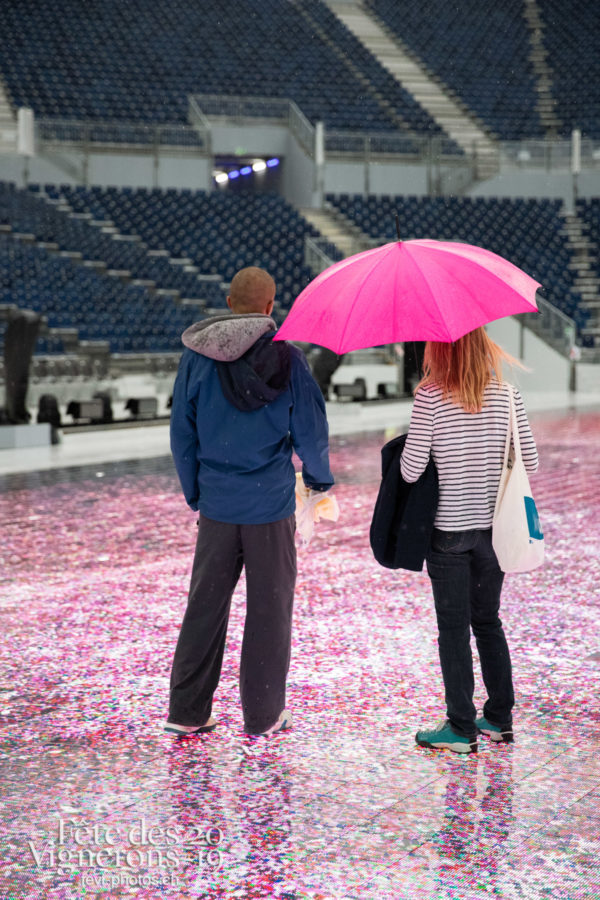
{"x": 480, "y": 49}
{"x": 211, "y": 229}
{"x": 139, "y": 62}
{"x": 527, "y": 232}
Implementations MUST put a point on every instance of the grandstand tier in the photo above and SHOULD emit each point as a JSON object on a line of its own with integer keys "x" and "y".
{"x": 493, "y": 58}
{"x": 571, "y": 37}
{"x": 139, "y": 61}
{"x": 135, "y": 267}
{"x": 129, "y": 257}
{"x": 530, "y": 233}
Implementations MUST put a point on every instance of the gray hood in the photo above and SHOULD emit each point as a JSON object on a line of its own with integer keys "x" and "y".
{"x": 226, "y": 338}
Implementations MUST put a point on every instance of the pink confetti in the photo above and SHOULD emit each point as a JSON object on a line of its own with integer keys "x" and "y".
{"x": 93, "y": 585}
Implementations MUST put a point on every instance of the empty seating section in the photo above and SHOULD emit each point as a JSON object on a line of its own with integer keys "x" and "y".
{"x": 190, "y": 244}
{"x": 219, "y": 232}
{"x": 478, "y": 48}
{"x": 139, "y": 61}
{"x": 527, "y": 232}
{"x": 29, "y": 214}
{"x": 209, "y": 235}
{"x": 571, "y": 36}
{"x": 403, "y": 104}
{"x": 589, "y": 212}
{"x": 70, "y": 296}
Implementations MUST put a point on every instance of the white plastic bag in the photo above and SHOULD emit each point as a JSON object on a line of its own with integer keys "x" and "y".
{"x": 311, "y": 506}
{"x": 516, "y": 533}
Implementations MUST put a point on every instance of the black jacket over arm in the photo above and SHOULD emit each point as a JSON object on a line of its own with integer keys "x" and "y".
{"x": 404, "y": 512}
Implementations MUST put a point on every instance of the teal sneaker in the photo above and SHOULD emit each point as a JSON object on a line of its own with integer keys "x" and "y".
{"x": 443, "y": 738}
{"x": 497, "y": 733}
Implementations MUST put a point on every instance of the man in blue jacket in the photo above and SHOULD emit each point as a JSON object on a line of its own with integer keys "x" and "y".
{"x": 241, "y": 404}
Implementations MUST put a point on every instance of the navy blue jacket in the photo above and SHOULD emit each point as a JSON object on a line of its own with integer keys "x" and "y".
{"x": 234, "y": 462}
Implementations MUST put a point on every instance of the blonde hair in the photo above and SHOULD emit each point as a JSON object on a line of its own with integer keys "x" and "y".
{"x": 464, "y": 369}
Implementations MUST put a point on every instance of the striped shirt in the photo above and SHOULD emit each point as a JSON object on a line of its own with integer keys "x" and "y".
{"x": 468, "y": 451}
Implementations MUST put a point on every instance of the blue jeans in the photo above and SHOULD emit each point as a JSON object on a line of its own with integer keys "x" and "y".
{"x": 466, "y": 581}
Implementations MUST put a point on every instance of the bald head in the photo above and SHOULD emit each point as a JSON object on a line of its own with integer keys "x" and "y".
{"x": 252, "y": 290}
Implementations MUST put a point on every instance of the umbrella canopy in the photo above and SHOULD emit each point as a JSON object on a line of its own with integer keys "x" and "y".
{"x": 420, "y": 290}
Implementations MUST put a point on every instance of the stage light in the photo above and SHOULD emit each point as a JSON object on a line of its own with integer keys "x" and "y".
{"x": 259, "y": 166}
{"x": 247, "y": 170}
{"x": 271, "y": 163}
{"x": 233, "y": 174}
{"x": 221, "y": 178}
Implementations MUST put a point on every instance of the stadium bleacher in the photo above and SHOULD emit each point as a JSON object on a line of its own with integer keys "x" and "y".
{"x": 480, "y": 50}
{"x": 525, "y": 231}
{"x": 144, "y": 250}
{"x": 220, "y": 232}
{"x": 589, "y": 213}
{"x": 68, "y": 295}
{"x": 571, "y": 36}
{"x": 214, "y": 233}
{"x": 139, "y": 61}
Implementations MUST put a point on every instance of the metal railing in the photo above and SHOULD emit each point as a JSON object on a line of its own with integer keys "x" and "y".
{"x": 73, "y": 132}
{"x": 240, "y": 109}
{"x": 433, "y": 150}
{"x": 390, "y": 143}
{"x": 553, "y": 325}
{"x": 549, "y": 154}
{"x": 317, "y": 254}
{"x": 196, "y": 117}
{"x": 302, "y": 129}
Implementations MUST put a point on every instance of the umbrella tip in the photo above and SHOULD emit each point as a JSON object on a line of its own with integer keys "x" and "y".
{"x": 397, "y": 226}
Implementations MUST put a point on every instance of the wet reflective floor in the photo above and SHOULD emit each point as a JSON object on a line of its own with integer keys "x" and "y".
{"x": 98, "y": 802}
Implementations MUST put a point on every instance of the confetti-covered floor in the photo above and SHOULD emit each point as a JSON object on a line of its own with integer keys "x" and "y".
{"x": 98, "y": 802}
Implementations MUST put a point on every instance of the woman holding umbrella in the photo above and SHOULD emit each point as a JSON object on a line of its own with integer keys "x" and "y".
{"x": 460, "y": 417}
{"x": 443, "y": 292}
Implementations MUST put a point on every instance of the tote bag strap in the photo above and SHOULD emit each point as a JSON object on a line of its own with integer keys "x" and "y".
{"x": 513, "y": 425}
{"x": 509, "y": 428}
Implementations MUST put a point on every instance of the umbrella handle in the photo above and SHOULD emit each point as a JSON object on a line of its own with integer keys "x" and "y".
{"x": 398, "y": 226}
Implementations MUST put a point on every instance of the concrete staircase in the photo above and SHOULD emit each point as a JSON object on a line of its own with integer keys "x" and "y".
{"x": 337, "y": 229}
{"x": 8, "y": 124}
{"x": 388, "y": 108}
{"x": 542, "y": 70}
{"x": 587, "y": 282}
{"x": 437, "y": 99}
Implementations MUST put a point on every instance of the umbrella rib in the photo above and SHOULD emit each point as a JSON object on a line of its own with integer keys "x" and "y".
{"x": 370, "y": 272}
{"x": 471, "y": 265}
{"x": 419, "y": 294}
{"x": 423, "y": 274}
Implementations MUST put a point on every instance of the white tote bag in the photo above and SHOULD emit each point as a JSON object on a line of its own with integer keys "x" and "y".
{"x": 516, "y": 533}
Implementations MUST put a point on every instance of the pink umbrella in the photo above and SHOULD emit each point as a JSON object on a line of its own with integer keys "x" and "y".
{"x": 407, "y": 291}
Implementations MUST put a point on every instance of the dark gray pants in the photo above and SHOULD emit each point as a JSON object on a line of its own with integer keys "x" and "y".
{"x": 268, "y": 553}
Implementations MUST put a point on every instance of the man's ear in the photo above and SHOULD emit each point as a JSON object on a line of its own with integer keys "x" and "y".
{"x": 269, "y": 308}
{"x": 229, "y": 303}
